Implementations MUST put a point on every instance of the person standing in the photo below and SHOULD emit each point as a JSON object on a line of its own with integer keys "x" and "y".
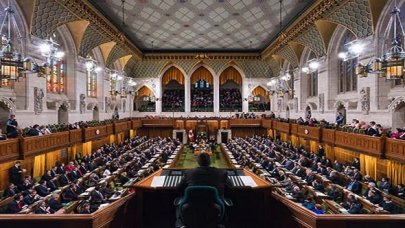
{"x": 15, "y": 174}
{"x": 12, "y": 127}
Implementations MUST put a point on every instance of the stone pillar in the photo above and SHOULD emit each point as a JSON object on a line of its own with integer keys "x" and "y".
{"x": 187, "y": 95}
{"x": 216, "y": 95}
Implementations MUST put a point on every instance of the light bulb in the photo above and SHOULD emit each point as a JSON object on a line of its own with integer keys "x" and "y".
{"x": 89, "y": 65}
{"x": 356, "y": 48}
{"x": 305, "y": 69}
{"x": 342, "y": 55}
{"x": 45, "y": 48}
{"x": 313, "y": 65}
{"x": 98, "y": 69}
{"x": 59, "y": 54}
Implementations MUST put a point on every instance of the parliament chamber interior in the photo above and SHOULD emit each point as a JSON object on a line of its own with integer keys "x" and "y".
{"x": 108, "y": 107}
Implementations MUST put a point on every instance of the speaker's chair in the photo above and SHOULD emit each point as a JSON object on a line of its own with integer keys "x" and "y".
{"x": 201, "y": 206}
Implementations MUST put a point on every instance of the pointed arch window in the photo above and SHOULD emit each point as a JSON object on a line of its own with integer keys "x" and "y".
{"x": 91, "y": 81}
{"x": 347, "y": 68}
{"x": 55, "y": 81}
{"x": 313, "y": 80}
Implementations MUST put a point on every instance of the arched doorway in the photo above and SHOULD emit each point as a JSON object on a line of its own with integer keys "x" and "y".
{"x": 202, "y": 95}
{"x": 259, "y": 101}
{"x": 230, "y": 86}
{"x": 173, "y": 90}
{"x": 144, "y": 100}
{"x": 4, "y": 115}
{"x": 308, "y": 113}
{"x": 398, "y": 116}
{"x": 342, "y": 109}
{"x": 63, "y": 114}
{"x": 96, "y": 114}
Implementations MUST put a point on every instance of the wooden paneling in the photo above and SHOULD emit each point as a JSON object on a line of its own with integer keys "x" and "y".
{"x": 245, "y": 122}
{"x": 191, "y": 124}
{"x": 76, "y": 136}
{"x": 248, "y": 132}
{"x": 35, "y": 145}
{"x": 136, "y": 123}
{"x": 158, "y": 122}
{"x": 156, "y": 132}
{"x": 395, "y": 149}
{"x": 179, "y": 124}
{"x": 362, "y": 143}
{"x": 282, "y": 127}
{"x": 307, "y": 132}
{"x": 224, "y": 124}
{"x": 92, "y": 133}
{"x": 9, "y": 150}
{"x": 213, "y": 126}
{"x": 328, "y": 136}
{"x": 110, "y": 129}
{"x": 294, "y": 129}
{"x": 121, "y": 126}
{"x": 266, "y": 123}
{"x": 4, "y": 169}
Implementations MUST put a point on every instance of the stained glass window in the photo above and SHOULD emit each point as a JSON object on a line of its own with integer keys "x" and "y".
{"x": 347, "y": 69}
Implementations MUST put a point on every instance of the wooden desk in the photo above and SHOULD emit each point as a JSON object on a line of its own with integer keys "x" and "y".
{"x": 153, "y": 202}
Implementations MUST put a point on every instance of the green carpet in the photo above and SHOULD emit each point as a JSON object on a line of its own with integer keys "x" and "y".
{"x": 188, "y": 160}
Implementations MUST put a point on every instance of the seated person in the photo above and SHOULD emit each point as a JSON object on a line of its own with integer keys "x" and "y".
{"x": 388, "y": 205}
{"x": 10, "y": 191}
{"x": 54, "y": 203}
{"x": 16, "y": 205}
{"x": 318, "y": 209}
{"x": 43, "y": 209}
{"x": 203, "y": 175}
{"x": 2, "y": 136}
{"x": 355, "y": 207}
{"x": 400, "y": 191}
{"x": 354, "y": 185}
{"x": 333, "y": 192}
{"x": 42, "y": 188}
{"x": 31, "y": 197}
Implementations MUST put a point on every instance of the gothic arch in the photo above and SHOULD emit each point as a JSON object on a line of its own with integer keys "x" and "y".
{"x": 311, "y": 105}
{"x": 167, "y": 67}
{"x": 201, "y": 64}
{"x": 9, "y": 104}
{"x": 234, "y": 65}
{"x": 339, "y": 103}
{"x": 397, "y": 102}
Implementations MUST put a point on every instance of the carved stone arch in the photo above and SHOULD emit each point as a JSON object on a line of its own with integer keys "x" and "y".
{"x": 168, "y": 65}
{"x": 312, "y": 38}
{"x": 287, "y": 53}
{"x": 339, "y": 103}
{"x": 396, "y": 103}
{"x": 201, "y": 64}
{"x": 336, "y": 40}
{"x": 9, "y": 103}
{"x": 65, "y": 103}
{"x": 311, "y": 105}
{"x": 147, "y": 86}
{"x": 256, "y": 86}
{"x": 235, "y": 65}
{"x": 91, "y": 38}
{"x": 91, "y": 105}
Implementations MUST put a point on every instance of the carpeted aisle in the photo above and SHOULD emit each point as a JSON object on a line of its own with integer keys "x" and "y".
{"x": 188, "y": 160}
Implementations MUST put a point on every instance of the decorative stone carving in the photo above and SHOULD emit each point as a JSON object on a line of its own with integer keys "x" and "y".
{"x": 365, "y": 100}
{"x": 321, "y": 98}
{"x": 124, "y": 105}
{"x": 295, "y": 104}
{"x": 38, "y": 97}
{"x": 279, "y": 104}
{"x": 82, "y": 103}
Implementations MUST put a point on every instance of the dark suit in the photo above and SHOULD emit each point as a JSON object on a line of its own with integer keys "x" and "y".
{"x": 204, "y": 176}
{"x": 42, "y": 190}
{"x": 355, "y": 208}
{"x": 40, "y": 210}
{"x": 15, "y": 175}
{"x": 9, "y": 192}
{"x": 389, "y": 206}
{"x": 54, "y": 205}
{"x": 354, "y": 186}
{"x": 14, "y": 207}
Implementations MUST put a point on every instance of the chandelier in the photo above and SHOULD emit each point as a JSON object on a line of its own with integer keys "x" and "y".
{"x": 11, "y": 62}
{"x": 279, "y": 85}
{"x": 391, "y": 63}
{"x": 311, "y": 66}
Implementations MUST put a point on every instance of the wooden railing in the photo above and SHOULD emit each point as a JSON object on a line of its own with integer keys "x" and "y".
{"x": 136, "y": 123}
{"x": 121, "y": 126}
{"x": 157, "y": 122}
{"x": 266, "y": 123}
{"x": 307, "y": 132}
{"x": 110, "y": 128}
{"x": 375, "y": 146}
{"x": 361, "y": 143}
{"x": 9, "y": 150}
{"x": 92, "y": 133}
{"x": 245, "y": 122}
{"x": 76, "y": 136}
{"x": 35, "y": 145}
{"x": 395, "y": 149}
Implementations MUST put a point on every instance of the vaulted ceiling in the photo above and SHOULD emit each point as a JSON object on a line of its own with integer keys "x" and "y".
{"x": 200, "y": 25}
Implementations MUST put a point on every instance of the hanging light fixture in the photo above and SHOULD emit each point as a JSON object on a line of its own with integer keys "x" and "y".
{"x": 11, "y": 63}
{"x": 311, "y": 66}
{"x": 391, "y": 64}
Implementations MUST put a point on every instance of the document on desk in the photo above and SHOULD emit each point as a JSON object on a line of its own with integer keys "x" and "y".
{"x": 158, "y": 181}
{"x": 248, "y": 181}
